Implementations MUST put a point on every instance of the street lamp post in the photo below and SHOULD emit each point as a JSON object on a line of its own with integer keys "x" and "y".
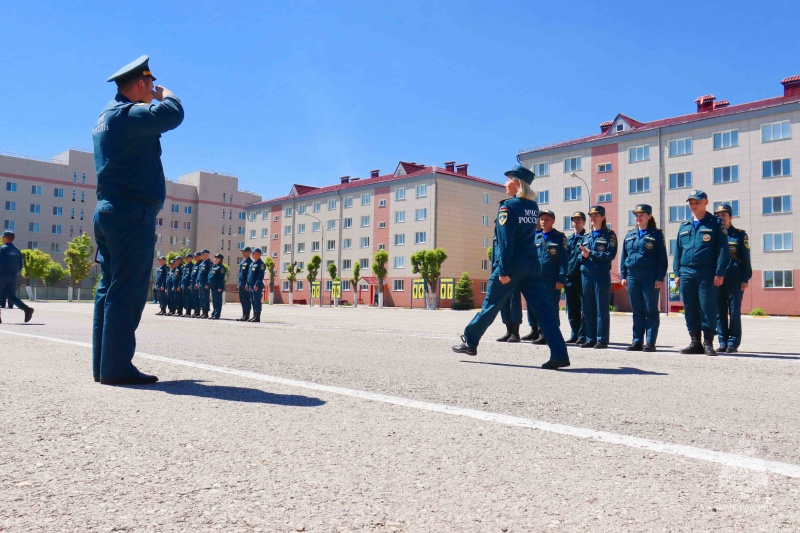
{"x": 589, "y": 187}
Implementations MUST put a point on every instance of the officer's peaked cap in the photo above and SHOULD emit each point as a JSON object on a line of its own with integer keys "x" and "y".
{"x": 219, "y": 256}
{"x": 579, "y": 214}
{"x": 134, "y": 69}
{"x": 256, "y": 250}
{"x": 247, "y": 249}
{"x": 521, "y": 173}
{"x": 162, "y": 258}
{"x": 198, "y": 252}
{"x": 205, "y": 251}
{"x": 643, "y": 208}
{"x": 724, "y": 208}
{"x": 178, "y": 257}
{"x": 190, "y": 254}
{"x": 597, "y": 210}
{"x": 697, "y": 195}
{"x": 8, "y": 233}
{"x": 548, "y": 213}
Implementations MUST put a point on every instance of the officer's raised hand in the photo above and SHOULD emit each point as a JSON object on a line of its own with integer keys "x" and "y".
{"x": 159, "y": 92}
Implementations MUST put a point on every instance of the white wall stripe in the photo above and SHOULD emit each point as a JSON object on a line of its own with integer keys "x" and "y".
{"x": 727, "y": 459}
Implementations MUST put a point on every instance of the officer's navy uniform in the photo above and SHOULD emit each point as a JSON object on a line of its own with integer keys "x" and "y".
{"x": 10, "y": 267}
{"x": 161, "y": 285}
{"x": 202, "y": 282}
{"x": 515, "y": 257}
{"x": 171, "y": 289}
{"x": 739, "y": 270}
{"x": 553, "y": 257}
{"x": 643, "y": 262}
{"x": 216, "y": 283}
{"x": 244, "y": 294}
{"x": 573, "y": 289}
{"x": 177, "y": 287}
{"x": 196, "y": 288}
{"x": 130, "y": 193}
{"x": 701, "y": 253}
{"x": 255, "y": 280}
{"x": 596, "y": 281}
{"x": 186, "y": 288}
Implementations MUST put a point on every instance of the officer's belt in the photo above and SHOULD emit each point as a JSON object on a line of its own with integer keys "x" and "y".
{"x": 127, "y": 197}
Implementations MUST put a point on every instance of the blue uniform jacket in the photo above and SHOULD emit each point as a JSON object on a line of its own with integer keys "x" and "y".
{"x": 255, "y": 278}
{"x": 602, "y": 251}
{"x": 216, "y": 277}
{"x": 161, "y": 277}
{"x": 195, "y": 274}
{"x": 739, "y": 248}
{"x": 170, "y": 283}
{"x": 127, "y": 149}
{"x": 10, "y": 262}
{"x": 514, "y": 232}
{"x": 553, "y": 254}
{"x": 644, "y": 255}
{"x": 574, "y": 262}
{"x": 202, "y": 274}
{"x": 178, "y": 277}
{"x": 244, "y": 268}
{"x": 186, "y": 278}
{"x": 702, "y": 249}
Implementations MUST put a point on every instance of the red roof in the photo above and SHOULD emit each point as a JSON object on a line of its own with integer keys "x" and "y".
{"x": 790, "y": 79}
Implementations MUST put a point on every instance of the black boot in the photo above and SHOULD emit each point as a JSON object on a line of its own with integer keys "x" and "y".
{"x": 533, "y": 335}
{"x": 694, "y": 347}
{"x": 204, "y": 315}
{"x": 256, "y": 317}
{"x": 244, "y": 318}
{"x": 708, "y": 343}
{"x": 540, "y": 340}
{"x": 509, "y": 333}
{"x": 464, "y": 348}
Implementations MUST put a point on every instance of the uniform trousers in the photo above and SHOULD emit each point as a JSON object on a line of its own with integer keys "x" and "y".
{"x": 205, "y": 300}
{"x": 244, "y": 299}
{"x": 8, "y": 291}
{"x": 216, "y": 299}
{"x": 596, "y": 316}
{"x": 644, "y": 304}
{"x": 699, "y": 301}
{"x": 188, "y": 298}
{"x": 574, "y": 296}
{"x": 198, "y": 306}
{"x": 729, "y": 324}
{"x": 255, "y": 300}
{"x": 532, "y": 288}
{"x": 162, "y": 299}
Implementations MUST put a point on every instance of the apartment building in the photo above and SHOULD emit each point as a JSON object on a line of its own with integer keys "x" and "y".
{"x": 47, "y": 202}
{"x": 416, "y": 207}
{"x": 739, "y": 154}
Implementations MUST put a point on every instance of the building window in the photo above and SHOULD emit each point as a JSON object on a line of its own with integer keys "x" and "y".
{"x": 252, "y": 234}
{"x": 264, "y": 250}
{"x": 421, "y": 214}
{"x": 420, "y": 237}
{"x": 174, "y": 225}
{"x": 363, "y": 263}
{"x": 58, "y": 211}
{"x": 399, "y": 261}
{"x": 399, "y": 217}
{"x": 572, "y": 194}
{"x": 382, "y": 203}
{"x": 363, "y": 242}
{"x": 58, "y": 193}
{"x": 33, "y": 227}
{"x": 726, "y": 139}
{"x": 315, "y": 207}
{"x": 604, "y": 167}
{"x": 264, "y": 215}
{"x": 274, "y": 236}
{"x": 83, "y": 178}
{"x": 346, "y": 285}
{"x": 680, "y": 180}
{"x": 347, "y": 244}
{"x": 631, "y": 218}
{"x": 399, "y": 194}
{"x": 287, "y": 212}
{"x": 679, "y": 213}
{"x": 364, "y": 221}
{"x": 301, "y": 247}
{"x": 541, "y": 170}
{"x": 777, "y": 204}
{"x": 347, "y": 203}
{"x": 188, "y": 225}
{"x": 726, "y": 174}
{"x": 673, "y": 245}
{"x": 638, "y": 153}
{"x": 74, "y": 195}
{"x": 776, "y": 168}
{"x": 604, "y": 198}
{"x": 778, "y": 279}
{"x": 315, "y": 246}
{"x": 56, "y": 229}
{"x": 366, "y": 199}
{"x": 680, "y": 147}
{"x": 287, "y": 248}
{"x": 398, "y": 285}
{"x": 285, "y": 284}
{"x": 381, "y": 246}
{"x": 573, "y": 164}
{"x": 36, "y": 208}
{"x": 175, "y": 207}
{"x": 567, "y": 224}
{"x": 264, "y": 232}
{"x": 777, "y": 131}
{"x": 301, "y": 228}
{"x": 778, "y": 242}
{"x": 486, "y": 197}
{"x": 315, "y": 226}
{"x": 55, "y": 247}
{"x": 330, "y": 225}
{"x": 382, "y": 225}
{"x": 276, "y": 218}
{"x": 347, "y": 223}
{"x": 298, "y": 286}
{"x": 331, "y": 205}
{"x": 399, "y": 239}
{"x": 347, "y": 264}
{"x": 187, "y": 209}
{"x": 733, "y": 203}
{"x": 8, "y": 224}
{"x": 543, "y": 197}
{"x": 72, "y": 213}
{"x": 12, "y": 206}
{"x": 11, "y": 186}
{"x": 484, "y": 264}
{"x": 74, "y": 177}
{"x": 159, "y": 221}
{"x": 32, "y": 245}
{"x": 485, "y": 220}
{"x": 422, "y": 191}
{"x": 301, "y": 209}
{"x": 36, "y": 189}
{"x": 485, "y": 242}
{"x": 330, "y": 245}
{"x": 638, "y": 185}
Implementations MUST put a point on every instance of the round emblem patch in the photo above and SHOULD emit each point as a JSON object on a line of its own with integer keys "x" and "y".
{"x": 552, "y": 251}
{"x": 648, "y": 245}
{"x": 706, "y": 238}
{"x": 733, "y": 249}
{"x": 601, "y": 248}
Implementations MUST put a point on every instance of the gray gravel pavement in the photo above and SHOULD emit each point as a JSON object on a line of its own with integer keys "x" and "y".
{"x": 205, "y": 450}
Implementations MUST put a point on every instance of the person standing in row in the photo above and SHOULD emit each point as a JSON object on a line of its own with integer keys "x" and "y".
{"x": 10, "y": 267}
{"x": 216, "y": 282}
{"x": 643, "y": 267}
{"x": 516, "y": 267}
{"x": 701, "y": 257}
{"x": 737, "y": 278}
{"x": 170, "y": 286}
{"x": 161, "y": 284}
{"x": 598, "y": 250}
{"x": 202, "y": 283}
{"x": 197, "y": 309}
{"x": 551, "y": 246}
{"x": 244, "y": 294}
{"x": 255, "y": 284}
{"x": 573, "y": 289}
{"x": 178, "y": 286}
{"x": 186, "y": 286}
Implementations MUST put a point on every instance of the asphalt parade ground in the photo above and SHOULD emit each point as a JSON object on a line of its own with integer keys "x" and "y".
{"x": 341, "y": 419}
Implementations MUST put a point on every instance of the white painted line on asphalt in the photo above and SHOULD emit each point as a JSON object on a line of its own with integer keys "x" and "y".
{"x": 727, "y": 459}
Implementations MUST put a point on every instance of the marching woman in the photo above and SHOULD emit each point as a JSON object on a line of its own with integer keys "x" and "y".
{"x": 598, "y": 250}
{"x": 643, "y": 266}
{"x": 516, "y": 267}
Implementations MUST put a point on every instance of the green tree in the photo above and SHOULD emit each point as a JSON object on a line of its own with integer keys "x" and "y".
{"x": 354, "y": 282}
{"x": 463, "y": 296}
{"x": 379, "y": 261}
{"x": 313, "y": 269}
{"x": 270, "y": 264}
{"x": 77, "y": 259}
{"x": 34, "y": 266}
{"x": 428, "y": 263}
{"x": 489, "y": 253}
{"x": 291, "y": 277}
{"x": 55, "y": 273}
{"x": 332, "y": 270}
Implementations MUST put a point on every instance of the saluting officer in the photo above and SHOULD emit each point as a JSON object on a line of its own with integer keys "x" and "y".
{"x": 216, "y": 282}
{"x": 701, "y": 258}
{"x": 255, "y": 284}
{"x": 244, "y": 294}
{"x": 161, "y": 284}
{"x": 573, "y": 289}
{"x": 598, "y": 250}
{"x": 516, "y": 266}
{"x": 551, "y": 245}
{"x": 186, "y": 286}
{"x": 197, "y": 309}
{"x": 10, "y": 266}
{"x": 643, "y": 267}
{"x": 737, "y": 278}
{"x": 202, "y": 283}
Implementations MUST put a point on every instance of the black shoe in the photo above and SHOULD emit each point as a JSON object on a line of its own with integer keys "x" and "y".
{"x": 588, "y": 344}
{"x": 722, "y": 348}
{"x": 552, "y": 365}
{"x": 96, "y": 379}
{"x": 601, "y": 346}
{"x": 649, "y": 348}
{"x": 513, "y": 338}
{"x": 28, "y": 314}
{"x": 581, "y": 340}
{"x": 572, "y": 340}
{"x": 530, "y": 336}
{"x": 505, "y": 337}
{"x": 541, "y": 340}
{"x": 731, "y": 349}
{"x": 464, "y": 348}
{"x": 136, "y": 379}
{"x": 694, "y": 347}
{"x": 635, "y": 347}
{"x": 708, "y": 344}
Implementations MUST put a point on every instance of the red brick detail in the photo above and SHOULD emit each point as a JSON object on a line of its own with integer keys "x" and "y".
{"x": 381, "y": 214}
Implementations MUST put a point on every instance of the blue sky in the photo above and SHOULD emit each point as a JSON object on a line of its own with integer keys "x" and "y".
{"x": 307, "y": 91}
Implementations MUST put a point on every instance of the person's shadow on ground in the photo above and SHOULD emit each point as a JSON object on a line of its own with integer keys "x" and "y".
{"x": 198, "y": 388}
{"x": 624, "y": 370}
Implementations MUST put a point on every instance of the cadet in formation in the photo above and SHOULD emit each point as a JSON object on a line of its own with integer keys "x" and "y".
{"x": 573, "y": 289}
{"x": 244, "y": 294}
{"x": 551, "y": 247}
{"x": 255, "y": 284}
{"x": 598, "y": 250}
{"x": 202, "y": 283}
{"x": 177, "y": 287}
{"x": 701, "y": 257}
{"x": 216, "y": 283}
{"x": 170, "y": 286}
{"x": 131, "y": 190}
{"x": 643, "y": 267}
{"x": 516, "y": 266}
{"x": 186, "y": 285}
{"x": 10, "y": 267}
{"x": 737, "y": 278}
{"x": 196, "y": 305}
{"x": 161, "y": 284}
